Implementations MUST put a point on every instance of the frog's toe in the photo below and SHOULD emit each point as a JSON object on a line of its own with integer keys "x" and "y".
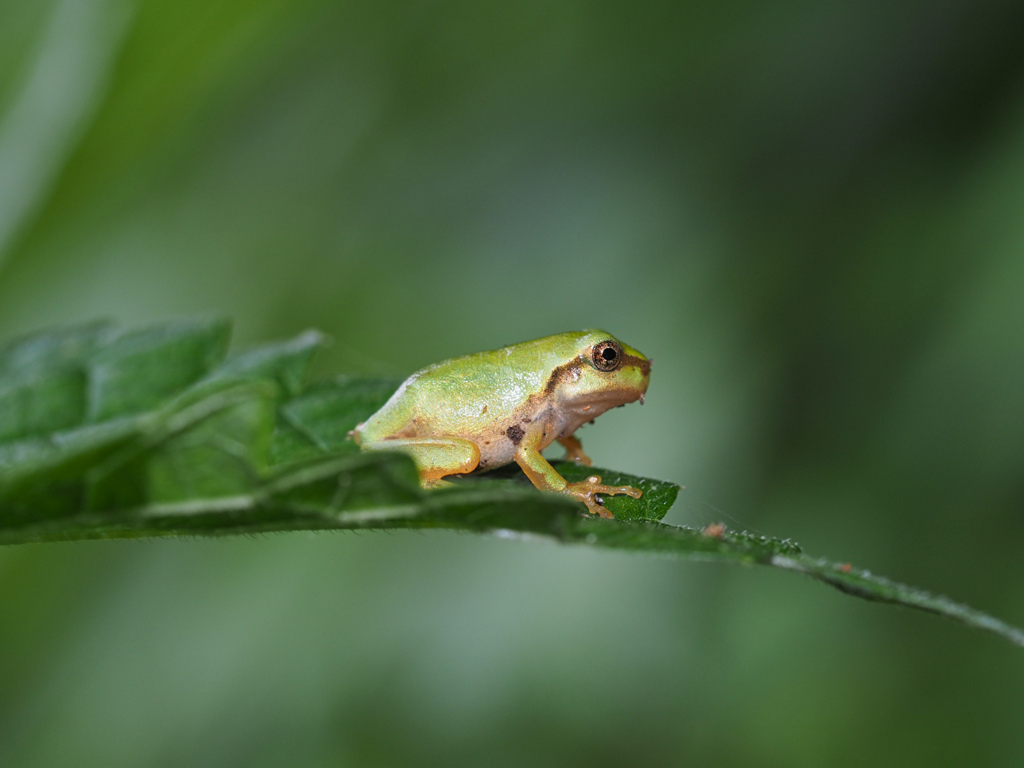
{"x": 589, "y": 491}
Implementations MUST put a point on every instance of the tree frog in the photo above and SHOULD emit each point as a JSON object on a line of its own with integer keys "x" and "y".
{"x": 487, "y": 409}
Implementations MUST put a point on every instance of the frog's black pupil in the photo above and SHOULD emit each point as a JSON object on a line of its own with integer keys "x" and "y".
{"x": 608, "y": 354}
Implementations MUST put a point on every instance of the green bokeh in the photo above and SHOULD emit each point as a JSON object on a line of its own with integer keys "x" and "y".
{"x": 808, "y": 214}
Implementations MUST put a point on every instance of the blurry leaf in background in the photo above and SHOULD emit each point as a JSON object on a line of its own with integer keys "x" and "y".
{"x": 60, "y": 86}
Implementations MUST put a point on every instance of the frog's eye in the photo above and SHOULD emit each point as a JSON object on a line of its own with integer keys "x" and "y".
{"x": 607, "y": 356}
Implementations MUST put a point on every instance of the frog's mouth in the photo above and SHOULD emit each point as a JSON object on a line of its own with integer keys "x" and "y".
{"x": 595, "y": 405}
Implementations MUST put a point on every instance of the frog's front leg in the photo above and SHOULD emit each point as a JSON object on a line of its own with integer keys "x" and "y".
{"x": 435, "y": 457}
{"x": 544, "y": 476}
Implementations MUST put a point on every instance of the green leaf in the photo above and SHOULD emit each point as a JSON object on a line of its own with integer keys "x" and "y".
{"x": 318, "y": 421}
{"x": 52, "y": 349}
{"x": 137, "y": 371}
{"x": 108, "y": 434}
{"x": 41, "y": 403}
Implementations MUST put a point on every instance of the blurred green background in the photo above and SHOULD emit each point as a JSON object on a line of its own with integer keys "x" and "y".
{"x": 811, "y": 215}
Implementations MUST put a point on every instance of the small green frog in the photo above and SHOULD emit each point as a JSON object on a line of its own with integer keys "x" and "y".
{"x": 484, "y": 410}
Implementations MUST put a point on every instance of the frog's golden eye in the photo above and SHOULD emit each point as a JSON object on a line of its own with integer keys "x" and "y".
{"x": 607, "y": 356}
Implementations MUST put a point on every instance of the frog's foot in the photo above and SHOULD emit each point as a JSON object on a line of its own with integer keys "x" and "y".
{"x": 574, "y": 450}
{"x": 588, "y": 492}
{"x": 429, "y": 483}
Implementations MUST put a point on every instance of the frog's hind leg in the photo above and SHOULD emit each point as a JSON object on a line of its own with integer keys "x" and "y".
{"x": 435, "y": 457}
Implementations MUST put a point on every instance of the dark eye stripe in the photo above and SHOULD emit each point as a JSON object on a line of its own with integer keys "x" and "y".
{"x": 561, "y": 372}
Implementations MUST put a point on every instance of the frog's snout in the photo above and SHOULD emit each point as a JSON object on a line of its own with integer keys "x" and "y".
{"x": 645, "y": 378}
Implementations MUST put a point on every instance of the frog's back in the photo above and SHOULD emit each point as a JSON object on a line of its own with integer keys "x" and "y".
{"x": 472, "y": 396}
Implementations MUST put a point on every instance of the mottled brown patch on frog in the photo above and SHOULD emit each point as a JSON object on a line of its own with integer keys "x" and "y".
{"x": 515, "y": 434}
{"x": 561, "y": 373}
